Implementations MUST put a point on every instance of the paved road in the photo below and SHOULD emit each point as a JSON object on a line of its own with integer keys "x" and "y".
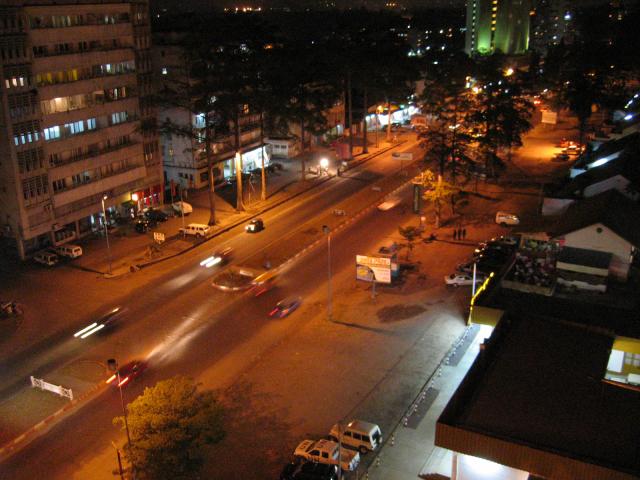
{"x": 219, "y": 337}
{"x": 185, "y": 294}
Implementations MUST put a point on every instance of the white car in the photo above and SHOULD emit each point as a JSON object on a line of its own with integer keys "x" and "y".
{"x": 182, "y": 207}
{"x": 46, "y": 258}
{"x": 389, "y": 203}
{"x": 326, "y": 451}
{"x": 505, "y": 218}
{"x": 458, "y": 279}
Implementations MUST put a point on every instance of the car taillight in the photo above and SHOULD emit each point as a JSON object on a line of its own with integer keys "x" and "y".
{"x": 123, "y": 381}
{"x": 273, "y": 312}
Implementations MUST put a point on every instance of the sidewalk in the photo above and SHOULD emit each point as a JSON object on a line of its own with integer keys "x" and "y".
{"x": 131, "y": 250}
{"x": 409, "y": 451}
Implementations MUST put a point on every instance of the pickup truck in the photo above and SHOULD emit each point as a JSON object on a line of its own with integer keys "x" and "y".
{"x": 326, "y": 451}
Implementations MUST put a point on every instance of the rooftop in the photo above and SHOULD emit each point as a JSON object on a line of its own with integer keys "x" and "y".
{"x": 538, "y": 387}
{"x": 609, "y": 208}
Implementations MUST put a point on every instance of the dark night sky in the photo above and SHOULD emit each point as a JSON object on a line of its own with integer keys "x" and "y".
{"x": 297, "y": 4}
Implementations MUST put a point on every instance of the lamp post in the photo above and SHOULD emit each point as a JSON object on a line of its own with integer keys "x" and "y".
{"x": 119, "y": 461}
{"x": 113, "y": 366}
{"x": 327, "y": 231}
{"x": 106, "y": 230}
{"x": 182, "y": 210}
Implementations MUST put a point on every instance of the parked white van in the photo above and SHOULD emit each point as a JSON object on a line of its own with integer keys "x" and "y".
{"x": 504, "y": 219}
{"x": 70, "y": 251}
{"x": 46, "y": 258}
{"x": 358, "y": 434}
{"x": 198, "y": 229}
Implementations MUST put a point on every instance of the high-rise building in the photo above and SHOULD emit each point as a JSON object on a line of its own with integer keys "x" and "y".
{"x": 76, "y": 120}
{"x": 551, "y": 22}
{"x": 497, "y": 26}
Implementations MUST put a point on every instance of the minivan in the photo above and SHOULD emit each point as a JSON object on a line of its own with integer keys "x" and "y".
{"x": 358, "y": 434}
{"x": 46, "y": 258}
{"x": 198, "y": 229}
{"x": 70, "y": 251}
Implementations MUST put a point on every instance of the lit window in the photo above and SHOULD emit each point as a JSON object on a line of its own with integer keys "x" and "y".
{"x": 164, "y": 70}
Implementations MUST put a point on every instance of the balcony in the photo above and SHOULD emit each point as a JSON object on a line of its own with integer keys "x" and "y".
{"x": 92, "y": 160}
{"x": 77, "y": 87}
{"x": 99, "y": 185}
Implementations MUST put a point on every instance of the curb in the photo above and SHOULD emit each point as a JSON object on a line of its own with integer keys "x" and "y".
{"x": 21, "y": 441}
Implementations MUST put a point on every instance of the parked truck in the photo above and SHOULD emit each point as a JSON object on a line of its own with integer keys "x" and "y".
{"x": 326, "y": 451}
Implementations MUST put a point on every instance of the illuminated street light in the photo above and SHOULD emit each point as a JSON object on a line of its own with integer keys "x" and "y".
{"x": 324, "y": 165}
{"x": 106, "y": 230}
{"x": 508, "y": 72}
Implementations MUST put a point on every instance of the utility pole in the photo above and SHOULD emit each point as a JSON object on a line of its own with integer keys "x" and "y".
{"x": 327, "y": 231}
{"x": 106, "y": 230}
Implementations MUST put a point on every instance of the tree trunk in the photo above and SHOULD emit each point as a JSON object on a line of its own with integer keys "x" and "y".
{"x": 212, "y": 180}
{"x": 238, "y": 162}
{"x": 388, "y": 120}
{"x": 349, "y": 107}
{"x": 302, "y": 154}
{"x": 263, "y": 192}
{"x": 365, "y": 145}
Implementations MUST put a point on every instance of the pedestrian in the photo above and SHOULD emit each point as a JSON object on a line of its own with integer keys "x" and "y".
{"x": 455, "y": 233}
{"x": 464, "y": 233}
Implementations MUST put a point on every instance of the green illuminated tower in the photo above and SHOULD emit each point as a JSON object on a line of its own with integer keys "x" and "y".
{"x": 497, "y": 25}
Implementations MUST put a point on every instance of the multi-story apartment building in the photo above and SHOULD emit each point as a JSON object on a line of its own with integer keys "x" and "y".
{"x": 183, "y": 146}
{"x": 496, "y": 26}
{"x": 76, "y": 120}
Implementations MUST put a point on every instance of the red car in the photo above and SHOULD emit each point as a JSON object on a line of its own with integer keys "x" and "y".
{"x": 127, "y": 373}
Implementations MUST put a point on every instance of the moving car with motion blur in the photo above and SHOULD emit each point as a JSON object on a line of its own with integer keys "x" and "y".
{"x": 127, "y": 373}
{"x": 105, "y": 321}
{"x": 285, "y": 307}
{"x": 219, "y": 258}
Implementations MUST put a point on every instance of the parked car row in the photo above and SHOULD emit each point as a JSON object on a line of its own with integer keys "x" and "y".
{"x": 488, "y": 257}
{"x": 341, "y": 450}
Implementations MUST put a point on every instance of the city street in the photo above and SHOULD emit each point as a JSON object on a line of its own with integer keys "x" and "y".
{"x": 368, "y": 363}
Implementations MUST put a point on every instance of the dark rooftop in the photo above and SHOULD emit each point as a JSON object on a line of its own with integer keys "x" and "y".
{"x": 609, "y": 208}
{"x": 538, "y": 385}
{"x": 588, "y": 258}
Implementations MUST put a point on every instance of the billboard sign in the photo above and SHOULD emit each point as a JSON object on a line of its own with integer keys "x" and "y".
{"x": 371, "y": 268}
{"x": 549, "y": 116}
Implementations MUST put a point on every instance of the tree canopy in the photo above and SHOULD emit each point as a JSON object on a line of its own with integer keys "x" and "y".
{"x": 169, "y": 426}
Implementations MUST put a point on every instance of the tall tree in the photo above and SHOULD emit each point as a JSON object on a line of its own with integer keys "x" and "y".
{"x": 169, "y": 425}
{"x": 438, "y": 192}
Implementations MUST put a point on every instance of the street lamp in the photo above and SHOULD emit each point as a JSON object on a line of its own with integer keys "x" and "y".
{"x": 106, "y": 230}
{"x": 327, "y": 232}
{"x": 113, "y": 367}
{"x": 324, "y": 165}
